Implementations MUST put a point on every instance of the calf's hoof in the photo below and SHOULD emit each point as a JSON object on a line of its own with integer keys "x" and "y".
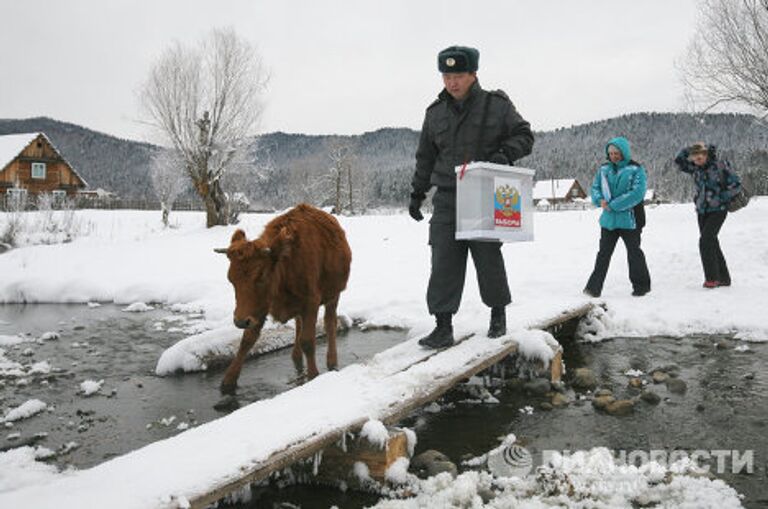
{"x": 227, "y": 404}
{"x": 298, "y": 380}
{"x": 228, "y": 389}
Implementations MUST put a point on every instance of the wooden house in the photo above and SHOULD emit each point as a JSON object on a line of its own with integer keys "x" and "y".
{"x": 558, "y": 191}
{"x": 31, "y": 165}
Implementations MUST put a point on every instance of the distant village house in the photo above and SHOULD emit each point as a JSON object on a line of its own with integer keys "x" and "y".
{"x": 97, "y": 194}
{"x": 557, "y": 192}
{"x": 30, "y": 165}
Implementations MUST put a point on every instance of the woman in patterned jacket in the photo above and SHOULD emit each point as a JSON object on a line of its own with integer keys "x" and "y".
{"x": 716, "y": 184}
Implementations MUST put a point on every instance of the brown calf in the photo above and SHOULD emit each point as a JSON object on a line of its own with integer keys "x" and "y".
{"x": 300, "y": 262}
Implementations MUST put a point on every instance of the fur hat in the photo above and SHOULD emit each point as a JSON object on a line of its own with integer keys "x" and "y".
{"x": 458, "y": 59}
{"x": 698, "y": 148}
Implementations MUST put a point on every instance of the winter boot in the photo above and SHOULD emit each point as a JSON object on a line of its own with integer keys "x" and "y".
{"x": 498, "y": 326}
{"x": 442, "y": 335}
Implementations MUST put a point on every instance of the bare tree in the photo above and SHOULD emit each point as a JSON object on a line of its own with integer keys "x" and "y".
{"x": 166, "y": 171}
{"x": 727, "y": 61}
{"x": 206, "y": 100}
{"x": 339, "y": 178}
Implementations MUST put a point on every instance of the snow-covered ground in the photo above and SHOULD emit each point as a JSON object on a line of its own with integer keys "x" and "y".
{"x": 128, "y": 258}
{"x": 584, "y": 480}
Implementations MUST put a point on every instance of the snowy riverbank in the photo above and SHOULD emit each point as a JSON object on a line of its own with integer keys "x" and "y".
{"x": 129, "y": 258}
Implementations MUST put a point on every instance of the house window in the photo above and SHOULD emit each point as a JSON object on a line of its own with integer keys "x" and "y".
{"x": 17, "y": 197}
{"x": 59, "y": 197}
{"x": 38, "y": 171}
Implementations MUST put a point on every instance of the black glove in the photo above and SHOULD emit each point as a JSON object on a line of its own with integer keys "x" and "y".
{"x": 415, "y": 206}
{"x": 499, "y": 158}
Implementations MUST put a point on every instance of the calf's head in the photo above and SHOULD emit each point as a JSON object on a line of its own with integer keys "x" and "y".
{"x": 251, "y": 268}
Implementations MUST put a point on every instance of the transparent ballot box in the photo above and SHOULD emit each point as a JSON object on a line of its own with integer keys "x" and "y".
{"x": 494, "y": 202}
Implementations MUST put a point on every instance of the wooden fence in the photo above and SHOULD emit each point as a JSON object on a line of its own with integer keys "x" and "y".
{"x": 80, "y": 202}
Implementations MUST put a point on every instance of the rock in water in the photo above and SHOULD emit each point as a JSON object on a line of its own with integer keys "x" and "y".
{"x": 621, "y": 407}
{"x": 559, "y": 400}
{"x": 602, "y": 402}
{"x": 650, "y": 397}
{"x": 538, "y": 386}
{"x": 431, "y": 463}
{"x": 584, "y": 378}
{"x": 676, "y": 386}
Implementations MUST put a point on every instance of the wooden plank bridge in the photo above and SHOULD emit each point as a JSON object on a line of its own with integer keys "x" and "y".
{"x": 206, "y": 463}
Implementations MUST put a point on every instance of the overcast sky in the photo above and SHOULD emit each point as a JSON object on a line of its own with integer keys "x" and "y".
{"x": 348, "y": 67}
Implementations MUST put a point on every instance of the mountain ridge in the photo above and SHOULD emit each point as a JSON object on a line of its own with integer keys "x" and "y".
{"x": 282, "y": 167}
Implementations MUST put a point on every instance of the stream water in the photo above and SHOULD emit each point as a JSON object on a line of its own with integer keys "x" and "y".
{"x": 724, "y": 406}
{"x": 134, "y": 407}
{"x": 723, "y": 412}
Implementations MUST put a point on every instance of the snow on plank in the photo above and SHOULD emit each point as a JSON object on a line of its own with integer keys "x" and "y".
{"x": 206, "y": 463}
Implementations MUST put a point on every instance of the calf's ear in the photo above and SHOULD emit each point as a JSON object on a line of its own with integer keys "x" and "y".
{"x": 281, "y": 246}
{"x": 238, "y": 235}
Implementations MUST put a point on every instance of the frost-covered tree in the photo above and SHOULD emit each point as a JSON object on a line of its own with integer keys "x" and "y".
{"x": 166, "y": 172}
{"x": 340, "y": 154}
{"x": 341, "y": 183}
{"x": 206, "y": 101}
{"x": 12, "y": 219}
{"x": 727, "y": 60}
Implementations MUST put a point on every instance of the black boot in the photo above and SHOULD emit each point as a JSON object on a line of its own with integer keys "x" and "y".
{"x": 498, "y": 326}
{"x": 442, "y": 336}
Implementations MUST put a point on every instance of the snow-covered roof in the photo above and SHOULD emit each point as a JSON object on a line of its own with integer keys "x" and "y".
{"x": 553, "y": 188}
{"x": 98, "y": 192}
{"x": 11, "y": 146}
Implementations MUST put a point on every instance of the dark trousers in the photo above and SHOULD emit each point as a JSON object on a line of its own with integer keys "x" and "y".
{"x": 638, "y": 269}
{"x": 449, "y": 267}
{"x": 712, "y": 259}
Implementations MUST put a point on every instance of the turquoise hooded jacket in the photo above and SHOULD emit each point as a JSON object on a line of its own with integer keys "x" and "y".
{"x": 622, "y": 185}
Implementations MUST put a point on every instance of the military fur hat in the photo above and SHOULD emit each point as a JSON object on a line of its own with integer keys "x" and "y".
{"x": 458, "y": 59}
{"x": 698, "y": 148}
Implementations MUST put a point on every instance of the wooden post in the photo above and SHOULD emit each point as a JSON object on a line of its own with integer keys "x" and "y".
{"x": 556, "y": 366}
{"x": 338, "y": 464}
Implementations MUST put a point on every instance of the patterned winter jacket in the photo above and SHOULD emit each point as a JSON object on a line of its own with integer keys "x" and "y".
{"x": 715, "y": 182}
{"x": 622, "y": 185}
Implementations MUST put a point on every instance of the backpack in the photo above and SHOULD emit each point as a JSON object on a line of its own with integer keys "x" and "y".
{"x": 738, "y": 201}
{"x": 639, "y": 209}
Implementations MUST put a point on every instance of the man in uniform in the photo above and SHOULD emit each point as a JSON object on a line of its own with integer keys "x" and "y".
{"x": 465, "y": 123}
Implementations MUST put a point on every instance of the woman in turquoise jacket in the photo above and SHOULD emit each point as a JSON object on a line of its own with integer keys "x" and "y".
{"x": 618, "y": 188}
